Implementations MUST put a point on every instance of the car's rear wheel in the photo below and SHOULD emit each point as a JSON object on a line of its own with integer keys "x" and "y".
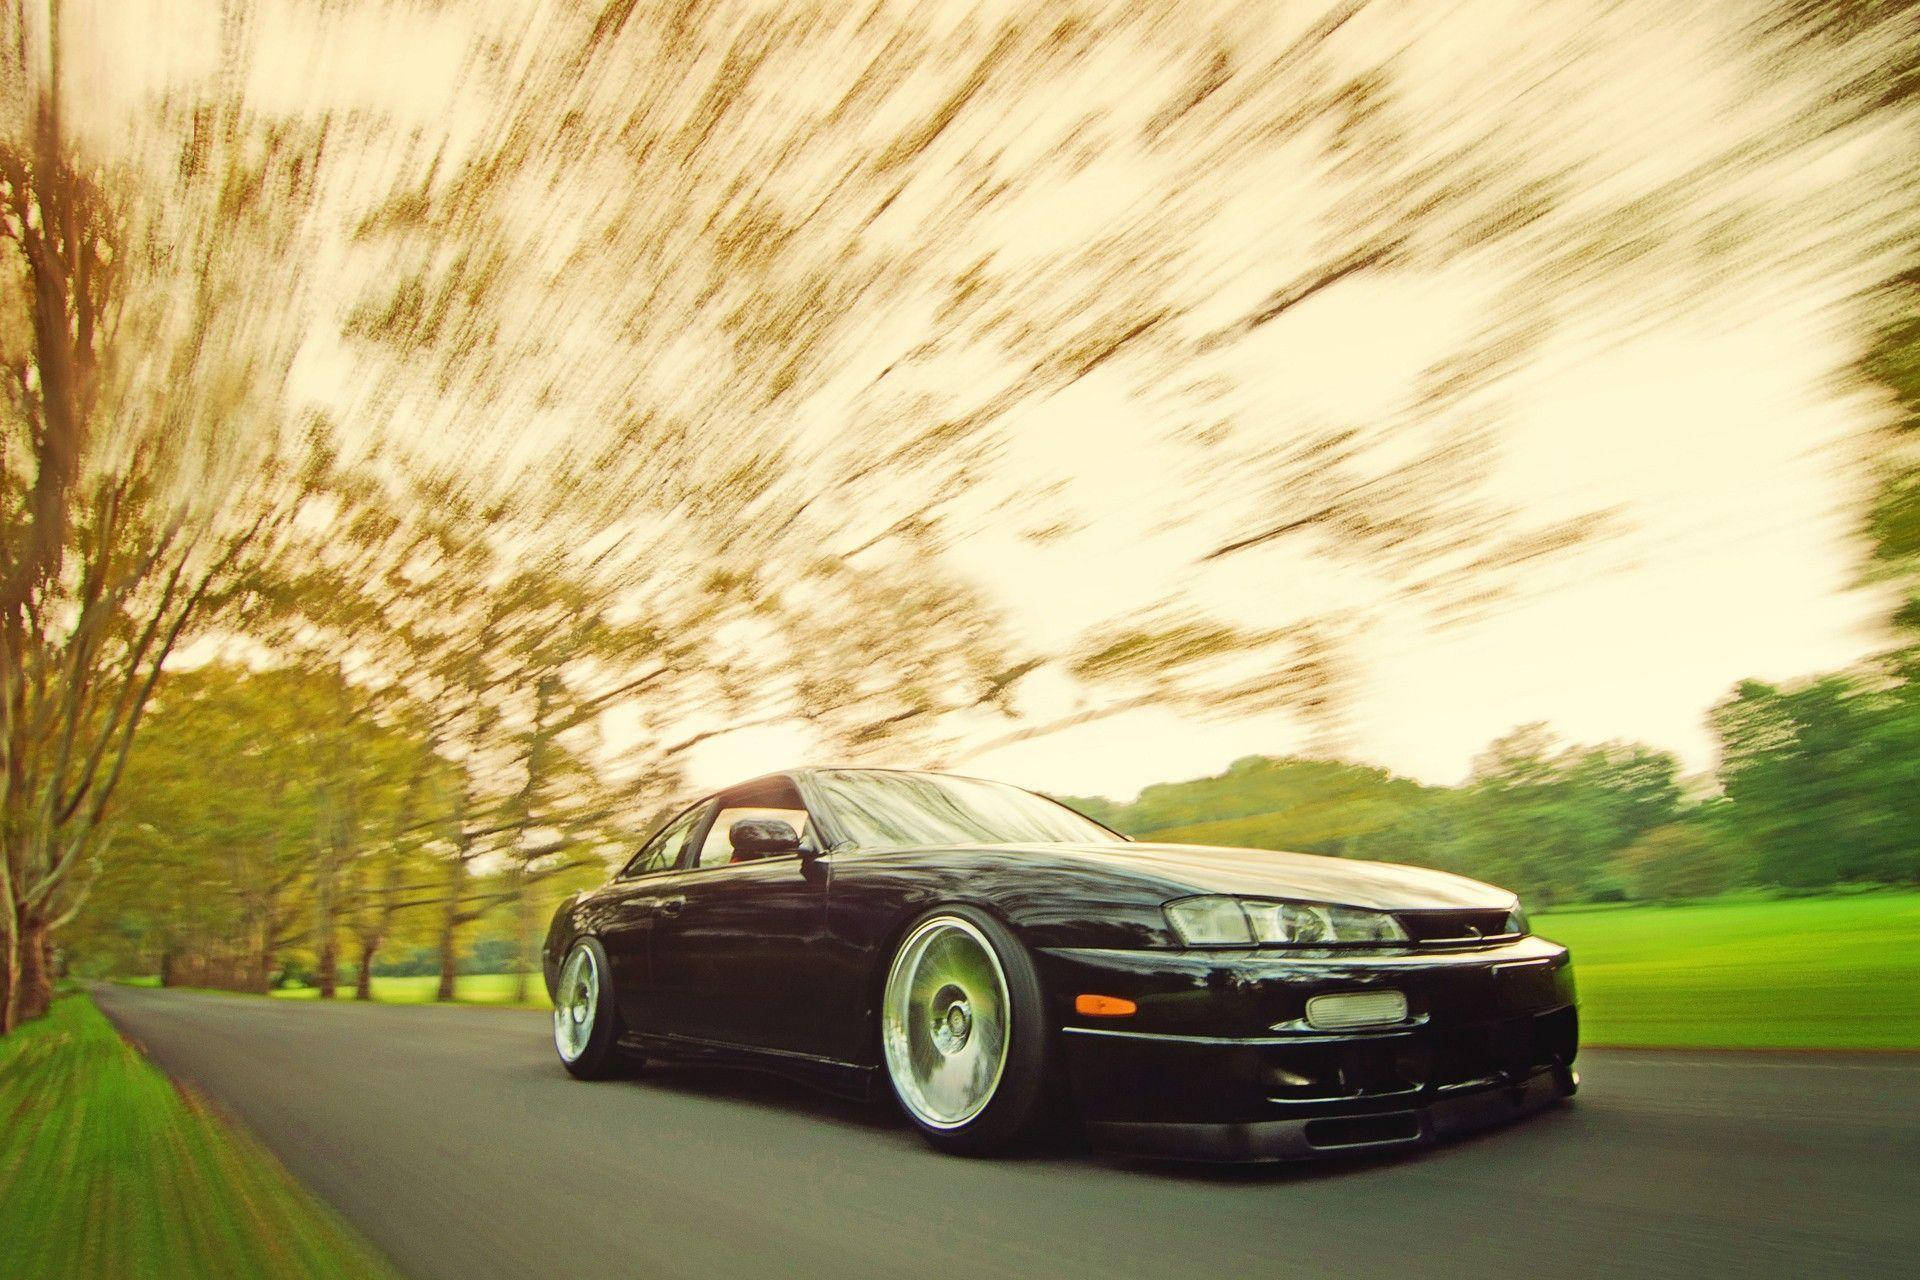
{"x": 586, "y": 1019}
{"x": 963, "y": 1031}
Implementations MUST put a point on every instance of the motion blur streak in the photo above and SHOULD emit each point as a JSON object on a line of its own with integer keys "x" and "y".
{"x": 448, "y": 426}
{"x": 438, "y": 438}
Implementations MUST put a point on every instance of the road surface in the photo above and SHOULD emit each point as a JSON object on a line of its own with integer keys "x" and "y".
{"x": 453, "y": 1139}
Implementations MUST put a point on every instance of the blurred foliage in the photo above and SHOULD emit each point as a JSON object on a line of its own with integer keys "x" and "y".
{"x": 1318, "y": 806}
{"x": 1892, "y": 520}
{"x": 1814, "y": 788}
{"x": 1679, "y": 860}
{"x": 401, "y": 481}
{"x": 1543, "y": 821}
{"x": 267, "y": 823}
{"x": 1820, "y": 778}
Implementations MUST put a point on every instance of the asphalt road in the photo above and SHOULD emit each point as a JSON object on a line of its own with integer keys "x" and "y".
{"x": 453, "y": 1139}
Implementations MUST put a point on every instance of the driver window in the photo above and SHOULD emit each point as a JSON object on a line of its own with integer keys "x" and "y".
{"x": 718, "y": 849}
{"x": 663, "y": 851}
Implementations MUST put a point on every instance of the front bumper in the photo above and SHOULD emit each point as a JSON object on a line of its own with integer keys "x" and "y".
{"x": 1303, "y": 1139}
{"x": 1220, "y": 1062}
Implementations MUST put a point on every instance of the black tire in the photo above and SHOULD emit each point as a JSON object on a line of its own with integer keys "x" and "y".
{"x": 600, "y": 1058}
{"x": 1020, "y": 1099}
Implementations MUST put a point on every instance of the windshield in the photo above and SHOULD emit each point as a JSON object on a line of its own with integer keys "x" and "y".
{"x": 879, "y": 809}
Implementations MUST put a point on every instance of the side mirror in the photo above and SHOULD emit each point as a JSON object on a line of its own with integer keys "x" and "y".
{"x": 763, "y": 837}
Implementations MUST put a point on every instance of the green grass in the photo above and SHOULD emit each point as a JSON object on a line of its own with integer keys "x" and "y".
{"x": 107, "y": 1170}
{"x": 1838, "y": 971}
{"x": 475, "y": 988}
{"x": 1828, "y": 972}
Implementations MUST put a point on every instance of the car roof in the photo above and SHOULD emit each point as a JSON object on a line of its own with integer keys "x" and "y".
{"x": 918, "y": 773}
{"x": 809, "y": 770}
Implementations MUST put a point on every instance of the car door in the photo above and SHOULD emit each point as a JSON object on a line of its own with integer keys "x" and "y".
{"x": 736, "y": 952}
{"x": 634, "y": 904}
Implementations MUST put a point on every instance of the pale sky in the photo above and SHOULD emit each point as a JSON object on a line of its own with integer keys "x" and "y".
{"x": 1729, "y": 450}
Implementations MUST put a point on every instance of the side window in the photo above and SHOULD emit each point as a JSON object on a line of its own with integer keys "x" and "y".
{"x": 718, "y": 848}
{"x": 663, "y": 851}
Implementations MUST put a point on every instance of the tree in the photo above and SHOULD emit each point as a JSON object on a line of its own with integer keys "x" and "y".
{"x": 139, "y": 386}
{"x": 812, "y": 326}
{"x": 1679, "y": 860}
{"x": 1891, "y": 520}
{"x": 1313, "y": 806}
{"x": 1544, "y": 819}
{"x": 1820, "y": 777}
{"x": 397, "y": 873}
{"x": 1548, "y": 820}
{"x": 230, "y": 802}
{"x": 685, "y": 351}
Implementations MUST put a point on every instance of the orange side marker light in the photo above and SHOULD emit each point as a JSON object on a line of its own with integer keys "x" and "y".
{"x": 1105, "y": 1006}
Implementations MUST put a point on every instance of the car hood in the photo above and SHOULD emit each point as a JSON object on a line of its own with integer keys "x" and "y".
{"x": 1382, "y": 886}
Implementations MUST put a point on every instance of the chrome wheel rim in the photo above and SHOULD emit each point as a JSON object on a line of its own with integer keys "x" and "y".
{"x": 943, "y": 1022}
{"x": 575, "y": 1001}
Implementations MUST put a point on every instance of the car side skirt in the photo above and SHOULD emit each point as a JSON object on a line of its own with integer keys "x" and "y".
{"x": 845, "y": 1079}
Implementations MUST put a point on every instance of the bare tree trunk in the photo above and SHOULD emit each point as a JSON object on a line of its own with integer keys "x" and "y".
{"x": 524, "y": 878}
{"x": 9, "y": 972}
{"x": 329, "y": 964}
{"x": 326, "y": 913}
{"x": 526, "y": 952}
{"x": 33, "y": 981}
{"x": 51, "y": 962}
{"x": 260, "y": 931}
{"x": 9, "y": 913}
{"x": 363, "y": 981}
{"x": 453, "y": 914}
{"x": 337, "y": 855}
{"x": 449, "y": 949}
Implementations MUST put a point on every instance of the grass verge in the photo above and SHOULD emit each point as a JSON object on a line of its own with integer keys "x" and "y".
{"x": 107, "y": 1170}
{"x": 1794, "y": 973}
{"x": 1744, "y": 971}
{"x": 473, "y": 988}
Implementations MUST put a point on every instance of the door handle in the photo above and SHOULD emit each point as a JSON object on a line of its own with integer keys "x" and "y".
{"x": 670, "y": 906}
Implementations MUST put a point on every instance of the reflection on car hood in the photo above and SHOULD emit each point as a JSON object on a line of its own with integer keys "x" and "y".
{"x": 1383, "y": 886}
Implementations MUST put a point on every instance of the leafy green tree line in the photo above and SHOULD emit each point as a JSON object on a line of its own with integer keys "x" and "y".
{"x": 266, "y": 829}
{"x": 1814, "y": 788}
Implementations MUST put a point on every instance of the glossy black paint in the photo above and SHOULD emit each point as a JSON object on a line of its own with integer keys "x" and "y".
{"x": 777, "y": 962}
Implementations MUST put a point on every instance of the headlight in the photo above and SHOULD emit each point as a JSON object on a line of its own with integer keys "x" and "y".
{"x": 1517, "y": 921}
{"x": 1219, "y": 921}
{"x": 1210, "y": 922}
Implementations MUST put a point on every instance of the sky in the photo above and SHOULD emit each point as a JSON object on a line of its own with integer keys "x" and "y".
{"x": 1718, "y": 432}
{"x": 1732, "y": 456}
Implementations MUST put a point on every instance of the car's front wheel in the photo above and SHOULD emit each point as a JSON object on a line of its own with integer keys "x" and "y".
{"x": 586, "y": 1021}
{"x": 963, "y": 1031}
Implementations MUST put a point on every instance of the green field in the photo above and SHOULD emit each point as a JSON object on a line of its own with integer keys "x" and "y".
{"x": 475, "y": 988}
{"x": 107, "y": 1170}
{"x": 1829, "y": 972}
{"x": 1740, "y": 972}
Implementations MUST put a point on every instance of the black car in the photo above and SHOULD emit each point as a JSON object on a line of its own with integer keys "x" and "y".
{"x": 991, "y": 954}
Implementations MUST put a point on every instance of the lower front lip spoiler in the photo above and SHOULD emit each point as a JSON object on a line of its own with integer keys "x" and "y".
{"x": 1273, "y": 1140}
